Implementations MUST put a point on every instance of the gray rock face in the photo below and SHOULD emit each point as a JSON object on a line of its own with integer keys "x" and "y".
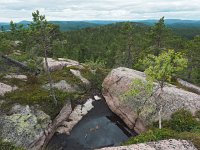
{"x": 21, "y": 77}
{"x": 119, "y": 82}
{"x": 60, "y": 64}
{"x": 170, "y": 144}
{"x": 64, "y": 86}
{"x": 76, "y": 115}
{"x": 23, "y": 126}
{"x": 4, "y": 88}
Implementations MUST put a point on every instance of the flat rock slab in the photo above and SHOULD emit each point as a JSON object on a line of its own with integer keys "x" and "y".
{"x": 20, "y": 77}
{"x": 170, "y": 144}
{"x": 64, "y": 86}
{"x": 60, "y": 63}
{"x": 4, "y": 88}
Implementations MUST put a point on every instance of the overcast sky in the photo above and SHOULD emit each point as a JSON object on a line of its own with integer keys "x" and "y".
{"x": 18, "y": 10}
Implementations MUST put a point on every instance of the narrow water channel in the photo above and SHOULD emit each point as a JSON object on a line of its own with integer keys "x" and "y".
{"x": 99, "y": 128}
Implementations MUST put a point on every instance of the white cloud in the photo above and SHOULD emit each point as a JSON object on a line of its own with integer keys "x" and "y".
{"x": 99, "y": 9}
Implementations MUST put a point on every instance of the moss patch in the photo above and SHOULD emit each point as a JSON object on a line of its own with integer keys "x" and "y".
{"x": 35, "y": 95}
{"x": 8, "y": 146}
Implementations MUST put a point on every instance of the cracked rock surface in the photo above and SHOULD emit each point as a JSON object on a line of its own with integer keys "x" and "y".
{"x": 119, "y": 82}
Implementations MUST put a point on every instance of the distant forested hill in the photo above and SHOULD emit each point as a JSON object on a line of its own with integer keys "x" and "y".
{"x": 184, "y": 28}
{"x": 64, "y": 25}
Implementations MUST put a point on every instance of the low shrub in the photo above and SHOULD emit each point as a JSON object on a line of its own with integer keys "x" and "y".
{"x": 151, "y": 135}
{"x": 182, "y": 120}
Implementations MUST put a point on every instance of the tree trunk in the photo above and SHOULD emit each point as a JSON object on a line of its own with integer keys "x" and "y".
{"x": 52, "y": 92}
{"x": 161, "y": 106}
{"x": 160, "y": 117}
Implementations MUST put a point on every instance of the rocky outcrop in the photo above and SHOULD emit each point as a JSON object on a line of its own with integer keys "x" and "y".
{"x": 23, "y": 125}
{"x": 4, "y": 88}
{"x": 119, "y": 82}
{"x": 61, "y": 63}
{"x": 76, "y": 115}
{"x": 43, "y": 139}
{"x": 170, "y": 144}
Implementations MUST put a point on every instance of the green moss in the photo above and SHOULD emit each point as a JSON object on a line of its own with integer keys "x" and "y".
{"x": 32, "y": 95}
{"x": 59, "y": 75}
{"x": 8, "y": 146}
{"x": 14, "y": 82}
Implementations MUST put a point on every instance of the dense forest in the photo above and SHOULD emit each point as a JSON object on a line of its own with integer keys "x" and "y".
{"x": 111, "y": 45}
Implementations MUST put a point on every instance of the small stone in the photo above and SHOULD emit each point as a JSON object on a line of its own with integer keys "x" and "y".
{"x": 97, "y": 98}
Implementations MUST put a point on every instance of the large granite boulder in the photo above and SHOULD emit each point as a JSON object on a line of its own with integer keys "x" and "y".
{"x": 119, "y": 81}
{"x": 170, "y": 144}
{"x": 23, "y": 125}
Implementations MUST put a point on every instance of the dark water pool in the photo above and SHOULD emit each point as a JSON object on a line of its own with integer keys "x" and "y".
{"x": 99, "y": 128}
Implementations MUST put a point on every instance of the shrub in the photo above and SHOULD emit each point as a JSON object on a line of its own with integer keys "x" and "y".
{"x": 96, "y": 78}
{"x": 151, "y": 135}
{"x": 182, "y": 120}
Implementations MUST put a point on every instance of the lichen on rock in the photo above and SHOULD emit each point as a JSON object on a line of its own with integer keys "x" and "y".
{"x": 23, "y": 125}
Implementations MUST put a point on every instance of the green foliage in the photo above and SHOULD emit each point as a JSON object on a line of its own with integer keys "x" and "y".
{"x": 5, "y": 46}
{"x": 95, "y": 64}
{"x": 182, "y": 120}
{"x": 161, "y": 68}
{"x": 139, "y": 94}
{"x": 139, "y": 87}
{"x": 193, "y": 55}
{"x": 158, "y": 34}
{"x": 151, "y": 135}
{"x": 95, "y": 77}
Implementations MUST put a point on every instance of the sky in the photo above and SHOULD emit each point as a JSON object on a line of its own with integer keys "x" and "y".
{"x": 18, "y": 10}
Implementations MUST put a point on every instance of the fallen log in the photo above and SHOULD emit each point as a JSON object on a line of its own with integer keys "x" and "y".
{"x": 189, "y": 86}
{"x": 20, "y": 64}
